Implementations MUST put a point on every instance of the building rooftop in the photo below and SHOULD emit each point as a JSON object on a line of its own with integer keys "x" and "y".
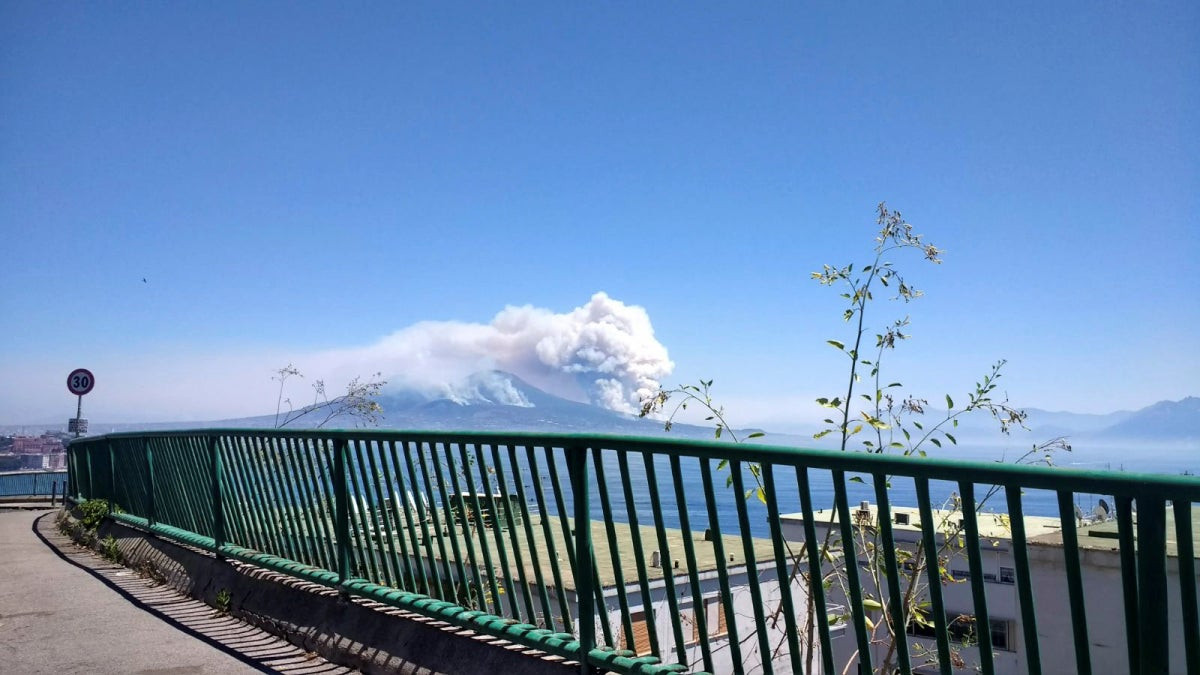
{"x": 706, "y": 559}
{"x": 1102, "y": 535}
{"x": 992, "y": 526}
{"x": 1039, "y": 530}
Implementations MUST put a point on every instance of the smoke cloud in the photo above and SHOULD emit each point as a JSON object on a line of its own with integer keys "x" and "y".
{"x": 604, "y": 351}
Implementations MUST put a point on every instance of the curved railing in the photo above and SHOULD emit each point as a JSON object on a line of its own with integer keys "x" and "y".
{"x": 644, "y": 555}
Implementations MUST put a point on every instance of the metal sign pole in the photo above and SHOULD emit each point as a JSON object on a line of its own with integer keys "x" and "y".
{"x": 79, "y": 382}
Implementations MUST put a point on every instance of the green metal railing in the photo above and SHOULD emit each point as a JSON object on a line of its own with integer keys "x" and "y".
{"x": 640, "y": 555}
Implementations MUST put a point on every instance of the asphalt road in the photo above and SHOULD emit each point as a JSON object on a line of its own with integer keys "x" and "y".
{"x": 64, "y": 609}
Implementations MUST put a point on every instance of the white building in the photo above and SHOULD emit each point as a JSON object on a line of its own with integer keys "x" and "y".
{"x": 999, "y": 576}
{"x": 1100, "y": 563}
{"x": 1101, "y": 575}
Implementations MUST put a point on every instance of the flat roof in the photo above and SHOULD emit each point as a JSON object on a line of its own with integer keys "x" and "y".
{"x": 991, "y": 525}
{"x": 1039, "y": 530}
{"x": 705, "y": 553}
{"x": 1102, "y": 536}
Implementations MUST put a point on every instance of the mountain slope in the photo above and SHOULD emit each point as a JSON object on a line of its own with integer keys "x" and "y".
{"x": 1163, "y": 421}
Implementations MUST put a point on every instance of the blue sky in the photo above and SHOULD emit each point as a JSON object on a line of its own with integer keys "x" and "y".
{"x": 297, "y": 181}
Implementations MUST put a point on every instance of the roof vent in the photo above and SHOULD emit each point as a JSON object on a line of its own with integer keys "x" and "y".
{"x": 862, "y": 515}
{"x": 655, "y": 559}
{"x": 902, "y": 519}
{"x": 708, "y": 535}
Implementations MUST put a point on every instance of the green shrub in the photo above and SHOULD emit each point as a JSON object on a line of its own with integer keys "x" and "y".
{"x": 110, "y": 549}
{"x": 223, "y": 599}
{"x": 92, "y": 513}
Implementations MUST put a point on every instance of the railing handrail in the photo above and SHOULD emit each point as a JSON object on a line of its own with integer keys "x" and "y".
{"x": 933, "y": 468}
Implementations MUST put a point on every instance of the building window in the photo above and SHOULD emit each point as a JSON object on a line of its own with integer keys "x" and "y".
{"x": 714, "y": 620}
{"x": 691, "y": 630}
{"x": 641, "y": 635}
{"x": 1008, "y": 575}
{"x": 960, "y": 574}
{"x": 1002, "y": 635}
{"x": 961, "y": 630}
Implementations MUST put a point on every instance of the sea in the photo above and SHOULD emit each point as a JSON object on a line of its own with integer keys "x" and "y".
{"x": 1164, "y": 460}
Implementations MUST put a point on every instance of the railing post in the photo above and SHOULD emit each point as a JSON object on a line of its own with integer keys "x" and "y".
{"x": 584, "y": 590}
{"x": 215, "y": 469}
{"x": 91, "y": 487}
{"x": 1152, "y": 584}
{"x": 341, "y": 494}
{"x": 112, "y": 476}
{"x": 151, "y": 507}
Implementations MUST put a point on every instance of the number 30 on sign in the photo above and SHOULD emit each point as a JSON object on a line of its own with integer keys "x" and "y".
{"x": 80, "y": 381}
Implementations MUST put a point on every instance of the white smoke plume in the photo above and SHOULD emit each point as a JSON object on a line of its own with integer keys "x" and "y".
{"x": 604, "y": 351}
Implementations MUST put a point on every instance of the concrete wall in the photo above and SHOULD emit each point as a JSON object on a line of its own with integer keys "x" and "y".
{"x": 359, "y": 633}
{"x": 1105, "y": 603}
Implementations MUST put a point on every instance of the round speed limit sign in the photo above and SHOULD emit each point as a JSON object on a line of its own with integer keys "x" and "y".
{"x": 80, "y": 381}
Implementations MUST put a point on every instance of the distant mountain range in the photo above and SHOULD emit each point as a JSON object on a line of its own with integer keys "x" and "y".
{"x": 486, "y": 401}
{"x": 500, "y": 401}
{"x": 1163, "y": 422}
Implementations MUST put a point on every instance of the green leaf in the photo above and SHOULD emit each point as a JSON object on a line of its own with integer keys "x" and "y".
{"x": 856, "y": 429}
{"x": 857, "y": 479}
{"x": 722, "y": 464}
{"x": 837, "y": 344}
{"x": 935, "y": 442}
{"x": 871, "y": 605}
{"x": 762, "y": 495}
{"x": 949, "y": 402}
{"x": 757, "y": 434}
{"x": 717, "y": 433}
{"x": 952, "y": 438}
{"x": 819, "y": 434}
{"x": 823, "y": 402}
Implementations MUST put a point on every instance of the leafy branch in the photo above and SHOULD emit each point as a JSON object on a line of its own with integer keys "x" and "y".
{"x": 888, "y": 421}
{"x": 357, "y": 403}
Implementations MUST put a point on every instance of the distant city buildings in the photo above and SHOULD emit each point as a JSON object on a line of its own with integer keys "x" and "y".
{"x": 25, "y": 453}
